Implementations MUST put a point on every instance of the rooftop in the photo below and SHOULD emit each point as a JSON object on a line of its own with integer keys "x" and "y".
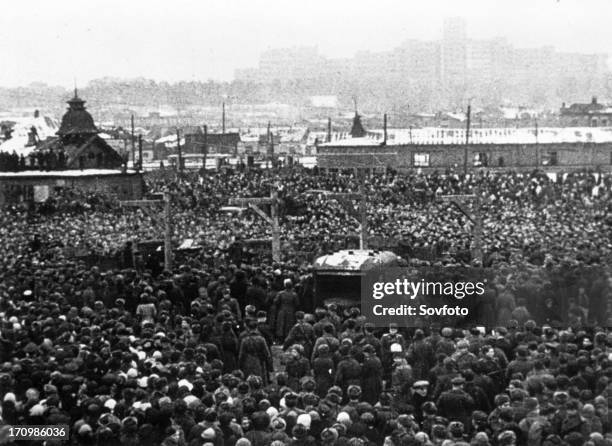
{"x": 63, "y": 173}
{"x": 443, "y": 136}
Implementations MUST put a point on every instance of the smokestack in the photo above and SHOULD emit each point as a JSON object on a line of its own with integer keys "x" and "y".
{"x": 328, "y": 129}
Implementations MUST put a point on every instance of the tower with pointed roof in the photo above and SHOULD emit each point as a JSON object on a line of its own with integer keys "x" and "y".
{"x": 77, "y": 124}
{"x": 357, "y": 130}
{"x": 78, "y": 141}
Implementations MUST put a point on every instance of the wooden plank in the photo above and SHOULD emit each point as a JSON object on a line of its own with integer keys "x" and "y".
{"x": 140, "y": 203}
{"x": 335, "y": 195}
{"x": 456, "y": 197}
{"x": 244, "y": 202}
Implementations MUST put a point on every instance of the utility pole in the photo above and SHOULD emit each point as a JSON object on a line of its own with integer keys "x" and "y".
{"x": 467, "y": 140}
{"x": 384, "y": 130}
{"x": 133, "y": 142}
{"x": 223, "y": 119}
{"x": 270, "y": 144}
{"x": 168, "y": 232}
{"x": 537, "y": 146}
{"x": 360, "y": 215}
{"x": 151, "y": 208}
{"x": 205, "y": 148}
{"x": 272, "y": 219}
{"x": 180, "y": 153}
{"x": 459, "y": 201}
{"x": 363, "y": 214}
{"x": 140, "y": 153}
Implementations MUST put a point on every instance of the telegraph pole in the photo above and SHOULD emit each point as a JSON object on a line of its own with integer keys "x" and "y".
{"x": 476, "y": 218}
{"x": 276, "y": 247}
{"x": 140, "y": 152}
{"x": 223, "y": 119}
{"x": 205, "y": 148}
{"x": 363, "y": 214}
{"x": 537, "y": 147}
{"x": 385, "y": 129}
{"x": 467, "y": 140}
{"x": 168, "y": 232}
{"x": 360, "y": 216}
{"x": 180, "y": 153}
{"x": 272, "y": 220}
{"x": 151, "y": 207}
{"x": 133, "y": 142}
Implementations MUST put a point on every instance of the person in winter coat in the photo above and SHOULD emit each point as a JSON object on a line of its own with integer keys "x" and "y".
{"x": 456, "y": 404}
{"x": 420, "y": 355}
{"x": 371, "y": 375}
{"x": 254, "y": 356}
{"x": 286, "y": 304}
{"x": 228, "y": 346}
{"x": 324, "y": 370}
{"x": 348, "y": 371}
{"x": 301, "y": 333}
{"x": 297, "y": 367}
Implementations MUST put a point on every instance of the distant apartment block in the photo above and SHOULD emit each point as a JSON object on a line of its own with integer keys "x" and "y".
{"x": 454, "y": 61}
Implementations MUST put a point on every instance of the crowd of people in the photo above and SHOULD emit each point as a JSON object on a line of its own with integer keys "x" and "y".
{"x": 229, "y": 349}
{"x": 525, "y": 217}
{"x": 37, "y": 160}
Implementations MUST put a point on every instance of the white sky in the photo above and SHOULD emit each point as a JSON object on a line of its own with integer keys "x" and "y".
{"x": 56, "y": 42}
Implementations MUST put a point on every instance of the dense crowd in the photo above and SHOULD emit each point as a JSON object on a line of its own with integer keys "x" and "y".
{"x": 525, "y": 217}
{"x": 37, "y": 160}
{"x": 229, "y": 349}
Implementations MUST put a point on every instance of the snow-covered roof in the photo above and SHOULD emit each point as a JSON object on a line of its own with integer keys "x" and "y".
{"x": 441, "y": 136}
{"x": 63, "y": 173}
{"x": 45, "y": 127}
{"x": 169, "y": 141}
{"x": 355, "y": 260}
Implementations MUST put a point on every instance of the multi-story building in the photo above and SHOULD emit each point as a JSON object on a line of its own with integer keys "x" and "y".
{"x": 454, "y": 51}
{"x": 291, "y": 63}
{"x": 452, "y": 69}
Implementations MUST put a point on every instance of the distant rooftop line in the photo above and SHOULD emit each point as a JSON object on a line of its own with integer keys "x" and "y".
{"x": 442, "y": 136}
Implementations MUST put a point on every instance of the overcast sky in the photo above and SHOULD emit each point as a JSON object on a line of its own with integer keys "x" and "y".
{"x": 56, "y": 42}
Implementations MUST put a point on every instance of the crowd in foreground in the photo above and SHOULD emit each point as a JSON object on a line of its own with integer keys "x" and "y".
{"x": 226, "y": 350}
{"x": 179, "y": 360}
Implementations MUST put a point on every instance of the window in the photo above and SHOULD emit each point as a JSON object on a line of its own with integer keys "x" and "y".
{"x": 550, "y": 159}
{"x": 480, "y": 159}
{"x": 421, "y": 160}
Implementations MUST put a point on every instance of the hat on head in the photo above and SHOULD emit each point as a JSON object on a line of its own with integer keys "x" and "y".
{"x": 299, "y": 431}
{"x": 458, "y": 380}
{"x": 329, "y": 435}
{"x": 506, "y": 438}
{"x": 354, "y": 391}
{"x": 279, "y": 424}
{"x": 447, "y": 332}
{"x": 208, "y": 434}
{"x": 305, "y": 420}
